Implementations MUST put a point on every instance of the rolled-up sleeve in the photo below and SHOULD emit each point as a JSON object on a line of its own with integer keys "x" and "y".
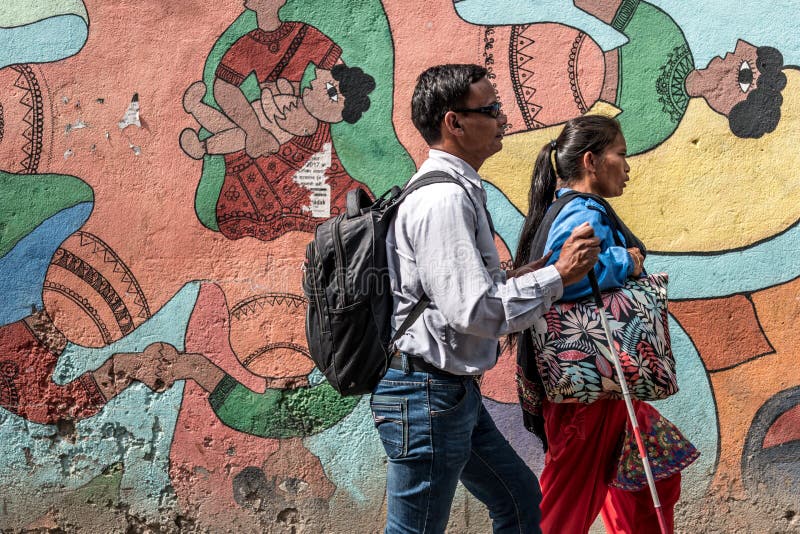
{"x": 453, "y": 274}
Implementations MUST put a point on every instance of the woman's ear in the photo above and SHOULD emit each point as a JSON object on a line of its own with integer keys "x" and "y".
{"x": 589, "y": 161}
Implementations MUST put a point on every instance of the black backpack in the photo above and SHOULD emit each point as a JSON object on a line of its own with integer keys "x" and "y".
{"x": 346, "y": 280}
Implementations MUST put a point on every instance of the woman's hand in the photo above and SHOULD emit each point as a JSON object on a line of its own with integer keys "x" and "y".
{"x": 638, "y": 261}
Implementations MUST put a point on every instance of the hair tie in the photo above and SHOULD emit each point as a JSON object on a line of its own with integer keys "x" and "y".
{"x": 553, "y": 163}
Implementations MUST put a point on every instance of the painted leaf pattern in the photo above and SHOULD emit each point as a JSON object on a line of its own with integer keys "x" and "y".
{"x": 573, "y": 358}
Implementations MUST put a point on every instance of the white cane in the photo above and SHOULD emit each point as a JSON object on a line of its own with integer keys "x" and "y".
{"x": 626, "y": 394}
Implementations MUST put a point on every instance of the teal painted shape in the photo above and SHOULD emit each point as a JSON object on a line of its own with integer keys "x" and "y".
{"x": 21, "y": 12}
{"x": 505, "y": 216}
{"x": 167, "y": 325}
{"x": 765, "y": 264}
{"x": 504, "y": 12}
{"x": 358, "y": 470}
{"x": 135, "y": 428}
{"x": 44, "y": 41}
{"x": 693, "y": 410}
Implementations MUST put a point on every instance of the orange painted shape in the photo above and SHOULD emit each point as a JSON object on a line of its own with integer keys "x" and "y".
{"x": 725, "y": 331}
{"x": 205, "y": 457}
{"x": 740, "y": 391}
{"x": 785, "y": 429}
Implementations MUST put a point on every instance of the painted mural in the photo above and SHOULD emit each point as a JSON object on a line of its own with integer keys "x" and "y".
{"x": 162, "y": 167}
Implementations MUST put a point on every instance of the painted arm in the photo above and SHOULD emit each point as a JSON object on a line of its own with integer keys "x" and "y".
{"x": 258, "y": 141}
{"x": 602, "y": 9}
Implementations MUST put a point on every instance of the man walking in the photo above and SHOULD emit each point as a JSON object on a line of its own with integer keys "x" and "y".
{"x": 428, "y": 407}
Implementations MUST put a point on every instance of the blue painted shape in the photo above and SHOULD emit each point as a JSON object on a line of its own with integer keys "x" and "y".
{"x": 503, "y": 12}
{"x": 505, "y": 216}
{"x": 693, "y": 410}
{"x": 712, "y": 28}
{"x": 47, "y": 40}
{"x": 23, "y": 269}
{"x": 167, "y": 325}
{"x": 764, "y": 264}
{"x": 358, "y": 471}
{"x": 136, "y": 428}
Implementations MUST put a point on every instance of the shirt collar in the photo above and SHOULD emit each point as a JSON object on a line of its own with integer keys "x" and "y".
{"x": 460, "y": 166}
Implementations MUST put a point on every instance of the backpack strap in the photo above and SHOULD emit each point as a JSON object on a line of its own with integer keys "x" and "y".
{"x": 429, "y": 178}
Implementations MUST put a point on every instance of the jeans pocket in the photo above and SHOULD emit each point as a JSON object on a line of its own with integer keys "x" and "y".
{"x": 390, "y": 415}
{"x": 446, "y": 398}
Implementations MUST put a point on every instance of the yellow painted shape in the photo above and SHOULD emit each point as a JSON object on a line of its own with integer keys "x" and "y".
{"x": 703, "y": 189}
{"x": 510, "y": 169}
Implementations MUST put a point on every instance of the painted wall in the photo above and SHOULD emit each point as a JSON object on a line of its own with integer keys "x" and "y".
{"x": 153, "y": 366}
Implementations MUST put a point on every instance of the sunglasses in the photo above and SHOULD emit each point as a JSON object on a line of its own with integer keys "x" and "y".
{"x": 493, "y": 110}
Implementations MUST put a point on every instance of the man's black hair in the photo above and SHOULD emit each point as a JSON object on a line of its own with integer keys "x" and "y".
{"x": 440, "y": 89}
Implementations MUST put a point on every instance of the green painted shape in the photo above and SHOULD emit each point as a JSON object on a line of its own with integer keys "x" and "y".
{"x": 368, "y": 149}
{"x": 102, "y": 489}
{"x": 205, "y": 200}
{"x": 20, "y": 12}
{"x": 280, "y": 413}
{"x": 26, "y": 201}
{"x": 653, "y": 36}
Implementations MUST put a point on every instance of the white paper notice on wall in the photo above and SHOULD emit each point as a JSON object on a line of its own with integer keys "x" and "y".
{"x": 312, "y": 177}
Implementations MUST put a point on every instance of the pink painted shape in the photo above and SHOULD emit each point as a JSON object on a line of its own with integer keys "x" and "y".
{"x": 205, "y": 457}
{"x": 499, "y": 383}
{"x": 785, "y": 429}
{"x": 208, "y": 333}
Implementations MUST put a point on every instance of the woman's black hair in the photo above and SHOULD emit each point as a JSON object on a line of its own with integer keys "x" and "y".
{"x": 588, "y": 133}
{"x": 761, "y": 111}
{"x": 355, "y": 86}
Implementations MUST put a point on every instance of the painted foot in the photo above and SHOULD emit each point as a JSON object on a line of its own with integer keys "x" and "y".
{"x": 193, "y": 95}
{"x": 192, "y": 145}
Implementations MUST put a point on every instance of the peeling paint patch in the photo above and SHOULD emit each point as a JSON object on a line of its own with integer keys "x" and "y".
{"x": 76, "y": 126}
{"x": 131, "y": 117}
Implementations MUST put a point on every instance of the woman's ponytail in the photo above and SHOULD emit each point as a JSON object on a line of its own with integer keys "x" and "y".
{"x": 543, "y": 187}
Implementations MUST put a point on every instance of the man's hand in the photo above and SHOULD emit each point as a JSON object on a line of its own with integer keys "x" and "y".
{"x": 530, "y": 267}
{"x": 578, "y": 255}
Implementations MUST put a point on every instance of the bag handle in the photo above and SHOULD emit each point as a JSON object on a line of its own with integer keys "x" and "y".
{"x": 357, "y": 200}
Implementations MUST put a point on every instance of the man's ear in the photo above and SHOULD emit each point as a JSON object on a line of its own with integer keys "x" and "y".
{"x": 451, "y": 124}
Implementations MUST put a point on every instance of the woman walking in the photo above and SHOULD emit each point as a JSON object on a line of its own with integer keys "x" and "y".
{"x": 592, "y": 465}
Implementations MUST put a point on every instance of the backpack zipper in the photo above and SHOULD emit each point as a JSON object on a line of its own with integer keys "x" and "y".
{"x": 340, "y": 262}
{"x": 312, "y": 274}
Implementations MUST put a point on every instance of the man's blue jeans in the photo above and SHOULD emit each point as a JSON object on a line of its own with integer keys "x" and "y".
{"x": 436, "y": 432}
